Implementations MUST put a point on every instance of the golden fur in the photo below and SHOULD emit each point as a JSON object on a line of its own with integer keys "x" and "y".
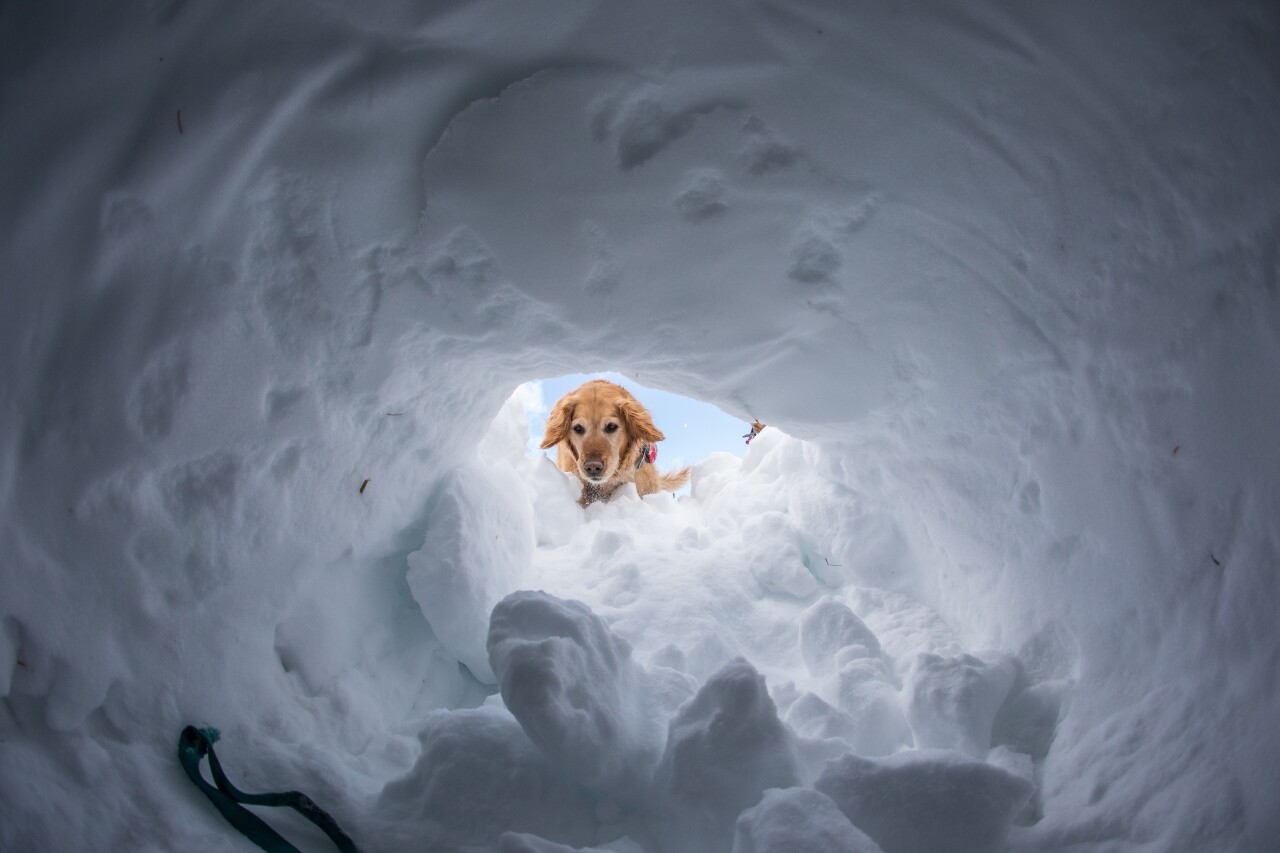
{"x": 599, "y": 430}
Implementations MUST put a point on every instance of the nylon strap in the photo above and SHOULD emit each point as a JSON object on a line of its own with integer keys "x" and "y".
{"x": 194, "y": 744}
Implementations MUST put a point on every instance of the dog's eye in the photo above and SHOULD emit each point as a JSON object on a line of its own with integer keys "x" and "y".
{"x": 579, "y": 429}
{"x": 610, "y": 427}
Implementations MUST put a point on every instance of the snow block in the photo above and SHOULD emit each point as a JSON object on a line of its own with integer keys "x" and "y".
{"x": 783, "y": 574}
{"x": 479, "y": 543}
{"x": 701, "y": 194}
{"x": 479, "y": 775}
{"x": 1028, "y": 721}
{"x": 812, "y": 717}
{"x": 776, "y": 559}
{"x": 867, "y": 695}
{"x": 724, "y": 749}
{"x": 829, "y": 626}
{"x": 798, "y": 820}
{"x": 869, "y": 718}
{"x": 929, "y": 801}
{"x": 574, "y": 687}
{"x": 952, "y": 701}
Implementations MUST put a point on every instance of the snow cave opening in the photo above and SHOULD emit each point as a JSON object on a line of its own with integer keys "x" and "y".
{"x": 693, "y": 429}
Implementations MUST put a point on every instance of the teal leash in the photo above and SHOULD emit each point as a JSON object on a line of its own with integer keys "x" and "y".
{"x": 194, "y": 744}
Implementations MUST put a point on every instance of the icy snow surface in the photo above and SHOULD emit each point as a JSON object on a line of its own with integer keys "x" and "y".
{"x": 1002, "y": 278}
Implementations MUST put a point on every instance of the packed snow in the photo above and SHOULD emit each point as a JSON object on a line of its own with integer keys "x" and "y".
{"x": 279, "y": 285}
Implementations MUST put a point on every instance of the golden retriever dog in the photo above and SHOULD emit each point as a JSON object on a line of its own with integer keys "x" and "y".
{"x": 605, "y": 437}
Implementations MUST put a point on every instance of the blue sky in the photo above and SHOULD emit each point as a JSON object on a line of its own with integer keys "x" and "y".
{"x": 693, "y": 429}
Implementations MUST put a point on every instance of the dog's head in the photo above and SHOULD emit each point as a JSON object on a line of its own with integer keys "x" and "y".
{"x": 602, "y": 426}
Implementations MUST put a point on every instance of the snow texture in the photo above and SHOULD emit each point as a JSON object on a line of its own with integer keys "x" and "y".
{"x": 512, "y": 842}
{"x": 461, "y": 571}
{"x": 926, "y": 801}
{"x": 573, "y": 686}
{"x": 478, "y": 771}
{"x": 952, "y": 702}
{"x": 724, "y": 748}
{"x": 798, "y": 820}
{"x": 829, "y": 629}
{"x": 1002, "y": 279}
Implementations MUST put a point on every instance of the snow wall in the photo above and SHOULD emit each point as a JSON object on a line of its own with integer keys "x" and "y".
{"x": 1007, "y": 277}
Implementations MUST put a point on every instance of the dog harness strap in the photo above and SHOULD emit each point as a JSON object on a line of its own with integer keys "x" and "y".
{"x": 194, "y": 744}
{"x": 648, "y": 453}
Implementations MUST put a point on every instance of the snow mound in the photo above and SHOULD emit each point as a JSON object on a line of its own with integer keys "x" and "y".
{"x": 927, "y": 801}
{"x": 798, "y": 820}
{"x": 724, "y": 748}
{"x": 952, "y": 702}
{"x": 573, "y": 686}
{"x": 478, "y": 774}
{"x": 828, "y": 629}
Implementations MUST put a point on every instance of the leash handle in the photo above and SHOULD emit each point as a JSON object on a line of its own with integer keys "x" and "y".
{"x": 194, "y": 744}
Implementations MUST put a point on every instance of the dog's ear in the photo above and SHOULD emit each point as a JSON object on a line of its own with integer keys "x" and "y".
{"x": 558, "y": 422}
{"x": 639, "y": 424}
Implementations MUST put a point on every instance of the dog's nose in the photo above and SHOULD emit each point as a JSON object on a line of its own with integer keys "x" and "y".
{"x": 593, "y": 468}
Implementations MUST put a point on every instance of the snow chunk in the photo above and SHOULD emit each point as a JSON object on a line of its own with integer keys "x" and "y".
{"x": 867, "y": 695}
{"x": 905, "y": 627}
{"x": 478, "y": 774}
{"x": 798, "y": 820}
{"x": 645, "y": 123}
{"x": 829, "y": 626}
{"x": 572, "y": 684}
{"x": 158, "y": 392}
{"x": 926, "y": 802}
{"x": 783, "y": 577}
{"x": 701, "y": 194}
{"x": 867, "y": 715}
{"x": 813, "y": 717}
{"x": 762, "y": 152}
{"x": 952, "y": 701}
{"x": 479, "y": 543}
{"x": 724, "y": 749}
{"x": 1028, "y": 721}
{"x": 814, "y": 258}
{"x": 777, "y": 560}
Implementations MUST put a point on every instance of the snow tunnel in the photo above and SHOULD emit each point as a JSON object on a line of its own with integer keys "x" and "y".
{"x": 1003, "y": 281}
